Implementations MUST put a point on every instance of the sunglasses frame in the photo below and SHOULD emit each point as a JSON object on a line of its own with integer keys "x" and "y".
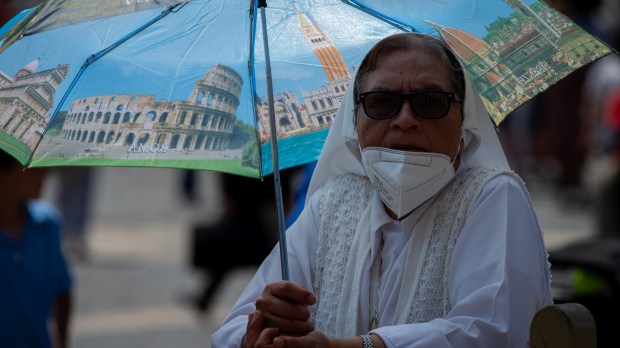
{"x": 409, "y": 97}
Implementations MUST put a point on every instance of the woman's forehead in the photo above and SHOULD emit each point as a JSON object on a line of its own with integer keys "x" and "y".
{"x": 423, "y": 67}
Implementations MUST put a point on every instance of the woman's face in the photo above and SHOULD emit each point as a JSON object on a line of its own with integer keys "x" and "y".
{"x": 407, "y": 71}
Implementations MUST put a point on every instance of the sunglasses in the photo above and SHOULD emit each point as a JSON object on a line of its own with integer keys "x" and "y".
{"x": 383, "y": 105}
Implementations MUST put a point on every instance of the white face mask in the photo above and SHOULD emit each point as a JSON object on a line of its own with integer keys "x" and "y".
{"x": 404, "y": 179}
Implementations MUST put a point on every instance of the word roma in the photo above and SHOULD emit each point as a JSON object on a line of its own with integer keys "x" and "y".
{"x": 152, "y": 148}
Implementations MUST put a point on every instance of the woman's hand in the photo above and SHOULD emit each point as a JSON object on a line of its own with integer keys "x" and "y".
{"x": 259, "y": 337}
{"x": 284, "y": 305}
{"x": 311, "y": 340}
{"x": 255, "y": 335}
{"x": 282, "y": 308}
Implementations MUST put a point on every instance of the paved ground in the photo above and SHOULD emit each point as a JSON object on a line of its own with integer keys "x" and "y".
{"x": 131, "y": 291}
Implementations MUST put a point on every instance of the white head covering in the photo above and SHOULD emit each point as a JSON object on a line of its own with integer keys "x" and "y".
{"x": 341, "y": 152}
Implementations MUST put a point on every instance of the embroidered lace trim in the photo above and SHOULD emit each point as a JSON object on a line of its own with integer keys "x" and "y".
{"x": 344, "y": 199}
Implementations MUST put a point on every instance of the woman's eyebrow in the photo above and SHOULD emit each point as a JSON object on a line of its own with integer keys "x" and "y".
{"x": 429, "y": 87}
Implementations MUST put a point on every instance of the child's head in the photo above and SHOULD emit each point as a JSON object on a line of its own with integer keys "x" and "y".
{"x": 18, "y": 183}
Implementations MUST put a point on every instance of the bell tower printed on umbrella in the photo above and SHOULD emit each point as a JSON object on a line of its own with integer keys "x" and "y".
{"x": 320, "y": 105}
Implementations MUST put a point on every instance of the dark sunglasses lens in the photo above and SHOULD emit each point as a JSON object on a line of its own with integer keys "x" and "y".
{"x": 431, "y": 104}
{"x": 381, "y": 105}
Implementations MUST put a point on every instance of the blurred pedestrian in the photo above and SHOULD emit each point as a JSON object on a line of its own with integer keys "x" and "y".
{"x": 74, "y": 198}
{"x": 299, "y": 178}
{"x": 35, "y": 290}
{"x": 242, "y": 237}
{"x": 189, "y": 186}
{"x": 609, "y": 199}
{"x": 562, "y": 132}
{"x": 602, "y": 97}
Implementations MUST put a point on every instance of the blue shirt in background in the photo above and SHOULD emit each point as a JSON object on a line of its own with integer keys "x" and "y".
{"x": 33, "y": 271}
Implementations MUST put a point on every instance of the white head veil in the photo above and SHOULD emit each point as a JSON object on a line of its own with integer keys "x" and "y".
{"x": 341, "y": 152}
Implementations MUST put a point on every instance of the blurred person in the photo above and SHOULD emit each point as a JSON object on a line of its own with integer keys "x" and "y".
{"x": 561, "y": 137}
{"x": 189, "y": 186}
{"x": 74, "y": 203}
{"x": 515, "y": 131}
{"x": 609, "y": 200}
{"x": 601, "y": 93}
{"x": 299, "y": 178}
{"x": 562, "y": 132}
{"x": 35, "y": 290}
{"x": 602, "y": 90}
{"x": 415, "y": 229}
{"x": 243, "y": 236}
{"x": 602, "y": 80}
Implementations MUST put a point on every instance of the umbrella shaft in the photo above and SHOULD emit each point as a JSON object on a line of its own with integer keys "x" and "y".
{"x": 274, "y": 155}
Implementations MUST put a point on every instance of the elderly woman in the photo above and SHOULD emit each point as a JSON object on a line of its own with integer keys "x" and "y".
{"x": 416, "y": 233}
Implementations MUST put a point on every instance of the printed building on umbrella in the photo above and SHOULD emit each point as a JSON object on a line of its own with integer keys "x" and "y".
{"x": 26, "y": 98}
{"x": 528, "y": 56}
{"x": 321, "y": 105}
{"x": 202, "y": 122}
{"x": 291, "y": 115}
{"x": 545, "y": 42}
{"x": 494, "y": 81}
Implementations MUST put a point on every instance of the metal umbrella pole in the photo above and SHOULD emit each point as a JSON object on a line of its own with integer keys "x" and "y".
{"x": 274, "y": 149}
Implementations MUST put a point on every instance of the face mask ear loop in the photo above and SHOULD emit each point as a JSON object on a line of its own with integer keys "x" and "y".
{"x": 457, "y": 152}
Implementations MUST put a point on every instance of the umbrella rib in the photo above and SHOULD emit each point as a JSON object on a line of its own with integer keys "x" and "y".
{"x": 98, "y": 55}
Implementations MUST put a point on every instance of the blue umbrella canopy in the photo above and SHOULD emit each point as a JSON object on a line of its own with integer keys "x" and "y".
{"x": 183, "y": 83}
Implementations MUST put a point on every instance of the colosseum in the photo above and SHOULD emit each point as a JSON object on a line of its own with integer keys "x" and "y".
{"x": 143, "y": 124}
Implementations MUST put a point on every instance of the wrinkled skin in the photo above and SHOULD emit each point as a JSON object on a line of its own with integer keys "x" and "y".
{"x": 282, "y": 309}
{"x": 257, "y": 337}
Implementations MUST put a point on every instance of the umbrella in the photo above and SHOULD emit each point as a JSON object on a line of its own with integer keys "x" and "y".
{"x": 194, "y": 84}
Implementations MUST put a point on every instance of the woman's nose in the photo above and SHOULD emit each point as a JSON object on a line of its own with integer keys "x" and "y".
{"x": 406, "y": 117}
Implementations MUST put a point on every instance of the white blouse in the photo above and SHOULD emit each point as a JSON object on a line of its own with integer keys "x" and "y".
{"x": 498, "y": 278}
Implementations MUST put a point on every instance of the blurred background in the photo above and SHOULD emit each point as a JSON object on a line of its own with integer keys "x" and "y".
{"x": 158, "y": 254}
